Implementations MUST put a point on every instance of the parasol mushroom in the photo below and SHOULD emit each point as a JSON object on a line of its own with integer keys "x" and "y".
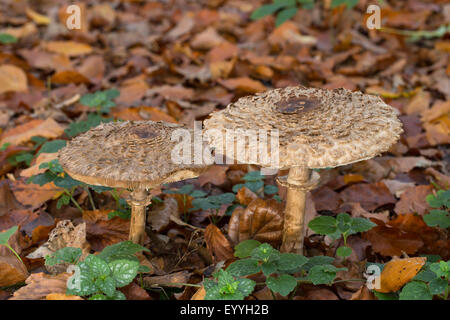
{"x": 317, "y": 128}
{"x": 135, "y": 155}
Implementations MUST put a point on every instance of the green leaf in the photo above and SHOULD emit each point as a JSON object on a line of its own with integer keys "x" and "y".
{"x": 99, "y": 189}
{"x": 81, "y": 283}
{"x": 385, "y": 296}
{"x": 107, "y": 285}
{"x": 244, "y": 267}
{"x": 98, "y": 296}
{"x": 317, "y": 260}
{"x": 42, "y": 178}
{"x": 344, "y": 252}
{"x": 197, "y": 194}
{"x": 442, "y": 199}
{"x": 438, "y": 285}
{"x": 270, "y": 189}
{"x": 246, "y": 286}
{"x": 323, "y": 225}
{"x": 118, "y": 296}
{"x": 93, "y": 120}
{"x": 284, "y": 15}
{"x": 284, "y": 284}
{"x": 269, "y": 267}
{"x": 65, "y": 255}
{"x": 307, "y": 4}
{"x": 123, "y": 271}
{"x": 254, "y": 186}
{"x": 361, "y": 225}
{"x": 5, "y": 235}
{"x": 122, "y": 214}
{"x": 425, "y": 275}
{"x": 97, "y": 266}
{"x": 348, "y": 3}
{"x": 64, "y": 200}
{"x": 67, "y": 182}
{"x": 323, "y": 274}
{"x": 291, "y": 261}
{"x": 437, "y": 218}
{"x": 124, "y": 250}
{"x": 6, "y": 38}
{"x": 265, "y": 252}
{"x": 4, "y": 146}
{"x": 415, "y": 290}
{"x": 237, "y": 187}
{"x": 245, "y": 248}
{"x": 253, "y": 176}
{"x": 52, "y": 146}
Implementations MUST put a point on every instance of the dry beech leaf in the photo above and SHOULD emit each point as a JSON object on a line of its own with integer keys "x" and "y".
{"x": 370, "y": 196}
{"x": 68, "y": 48}
{"x": 245, "y": 196}
{"x": 199, "y": 294}
{"x": 215, "y": 175}
{"x": 102, "y": 232}
{"x": 363, "y": 294}
{"x": 48, "y": 129}
{"x": 262, "y": 220}
{"x": 65, "y": 234}
{"x": 142, "y": 113}
{"x": 34, "y": 195}
{"x": 244, "y": 84}
{"x": 40, "y": 285}
{"x": 135, "y": 292}
{"x": 69, "y": 76}
{"x": 169, "y": 280}
{"x": 413, "y": 200}
{"x": 37, "y": 17}
{"x": 12, "y": 78}
{"x": 218, "y": 246}
{"x": 62, "y": 296}
{"x": 34, "y": 169}
{"x": 397, "y": 272}
{"x": 12, "y": 270}
{"x": 159, "y": 216}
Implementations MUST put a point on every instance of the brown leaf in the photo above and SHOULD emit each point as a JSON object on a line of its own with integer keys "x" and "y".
{"x": 419, "y": 103}
{"x": 48, "y": 129}
{"x": 135, "y": 292}
{"x": 363, "y": 294}
{"x": 325, "y": 199}
{"x": 173, "y": 280}
{"x": 102, "y": 232}
{"x": 245, "y": 196}
{"x": 159, "y": 216}
{"x": 68, "y": 48}
{"x": 69, "y": 76}
{"x": 371, "y": 196}
{"x": 12, "y": 78}
{"x": 244, "y": 84}
{"x": 218, "y": 246}
{"x": 441, "y": 179}
{"x": 413, "y": 200}
{"x": 206, "y": 39}
{"x": 12, "y": 270}
{"x": 215, "y": 175}
{"x": 393, "y": 241}
{"x": 40, "y": 285}
{"x": 142, "y": 113}
{"x": 262, "y": 220}
{"x": 7, "y": 201}
{"x": 397, "y": 272}
{"x": 34, "y": 195}
{"x": 34, "y": 168}
{"x": 199, "y": 294}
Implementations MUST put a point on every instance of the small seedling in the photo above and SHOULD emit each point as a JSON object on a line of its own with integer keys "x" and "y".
{"x": 278, "y": 268}
{"x": 102, "y": 101}
{"x": 343, "y": 225}
{"x": 213, "y": 203}
{"x": 4, "y": 238}
{"x": 99, "y": 276}
{"x": 440, "y": 215}
{"x": 254, "y": 181}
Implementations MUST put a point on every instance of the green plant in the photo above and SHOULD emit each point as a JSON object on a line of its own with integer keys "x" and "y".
{"x": 98, "y": 276}
{"x": 286, "y": 9}
{"x": 93, "y": 120}
{"x": 440, "y": 215}
{"x": 102, "y": 101}
{"x": 4, "y": 238}
{"x": 4, "y": 146}
{"x": 213, "y": 203}
{"x": 278, "y": 268}
{"x": 26, "y": 157}
{"x": 254, "y": 181}
{"x": 343, "y": 225}
{"x": 6, "y": 38}
{"x": 185, "y": 191}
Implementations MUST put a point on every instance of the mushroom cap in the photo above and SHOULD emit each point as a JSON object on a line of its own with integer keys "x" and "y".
{"x": 128, "y": 154}
{"x": 317, "y": 128}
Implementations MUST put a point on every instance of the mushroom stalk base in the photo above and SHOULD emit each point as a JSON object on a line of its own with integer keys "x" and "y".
{"x": 294, "y": 215}
{"x": 138, "y": 202}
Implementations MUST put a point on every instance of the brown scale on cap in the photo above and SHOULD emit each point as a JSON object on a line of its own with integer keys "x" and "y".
{"x": 334, "y": 127}
{"x": 129, "y": 154}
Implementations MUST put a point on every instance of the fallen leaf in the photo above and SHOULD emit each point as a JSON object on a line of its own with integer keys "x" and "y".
{"x": 134, "y": 291}
{"x": 174, "y": 280}
{"x": 363, "y": 293}
{"x": 262, "y": 220}
{"x": 397, "y": 272}
{"x": 159, "y": 215}
{"x": 48, "y": 129}
{"x": 370, "y": 196}
{"x": 37, "y": 17}
{"x": 413, "y": 200}
{"x": 142, "y": 113}
{"x": 244, "y": 196}
{"x": 12, "y": 78}
{"x": 244, "y": 84}
{"x": 34, "y": 195}
{"x": 12, "y": 270}
{"x": 215, "y": 175}
{"x": 206, "y": 39}
{"x": 419, "y": 103}
{"x": 62, "y": 296}
{"x": 325, "y": 199}
{"x": 68, "y": 48}
{"x": 34, "y": 169}
{"x": 102, "y": 232}
{"x": 199, "y": 294}
{"x": 40, "y": 285}
{"x": 218, "y": 246}
{"x": 69, "y": 76}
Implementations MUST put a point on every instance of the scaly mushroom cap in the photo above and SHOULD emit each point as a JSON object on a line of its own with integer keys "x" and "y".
{"x": 318, "y": 128}
{"x": 129, "y": 154}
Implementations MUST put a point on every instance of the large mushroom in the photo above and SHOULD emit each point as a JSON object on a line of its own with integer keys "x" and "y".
{"x": 317, "y": 128}
{"x": 135, "y": 155}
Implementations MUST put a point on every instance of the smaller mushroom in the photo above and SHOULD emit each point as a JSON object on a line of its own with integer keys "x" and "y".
{"x": 136, "y": 155}
{"x": 317, "y": 128}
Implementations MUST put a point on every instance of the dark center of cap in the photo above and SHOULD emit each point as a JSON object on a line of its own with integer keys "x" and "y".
{"x": 298, "y": 104}
{"x": 144, "y": 133}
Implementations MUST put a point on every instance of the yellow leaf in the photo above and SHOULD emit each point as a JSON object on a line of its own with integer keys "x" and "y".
{"x": 62, "y": 296}
{"x": 37, "y": 17}
{"x": 398, "y": 272}
{"x": 68, "y": 48}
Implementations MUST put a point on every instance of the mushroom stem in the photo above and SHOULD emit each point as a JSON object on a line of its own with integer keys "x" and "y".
{"x": 138, "y": 202}
{"x": 294, "y": 215}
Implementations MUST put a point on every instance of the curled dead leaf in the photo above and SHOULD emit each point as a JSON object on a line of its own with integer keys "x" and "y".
{"x": 62, "y": 296}
{"x": 218, "y": 246}
{"x": 245, "y": 196}
{"x": 12, "y": 270}
{"x": 262, "y": 220}
{"x": 40, "y": 285}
